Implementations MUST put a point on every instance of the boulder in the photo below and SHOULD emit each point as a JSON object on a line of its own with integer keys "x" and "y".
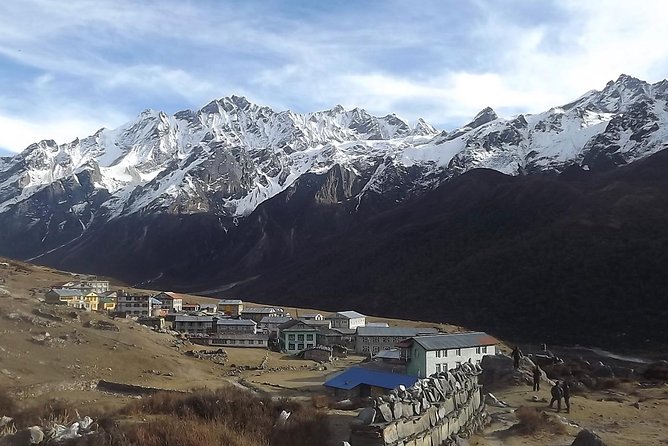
{"x": 496, "y": 369}
{"x": 587, "y": 438}
{"x": 366, "y": 416}
{"x": 657, "y": 370}
{"x": 602, "y": 371}
{"x": 25, "y": 437}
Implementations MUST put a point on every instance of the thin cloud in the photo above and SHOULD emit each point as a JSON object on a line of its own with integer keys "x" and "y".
{"x": 68, "y": 65}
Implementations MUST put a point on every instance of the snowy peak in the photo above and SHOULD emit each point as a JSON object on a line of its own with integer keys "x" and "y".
{"x": 485, "y": 115}
{"x": 231, "y": 155}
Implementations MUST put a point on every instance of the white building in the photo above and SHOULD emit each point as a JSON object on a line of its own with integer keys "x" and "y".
{"x": 427, "y": 355}
{"x": 135, "y": 305}
{"x": 347, "y": 319}
{"x": 373, "y": 339}
{"x": 246, "y": 326}
{"x": 171, "y": 302}
{"x": 185, "y": 323}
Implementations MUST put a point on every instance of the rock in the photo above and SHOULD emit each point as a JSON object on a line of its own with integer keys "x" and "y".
{"x": 385, "y": 412}
{"x": 366, "y": 416}
{"x": 491, "y": 400}
{"x": 4, "y": 421}
{"x": 25, "y": 437}
{"x": 602, "y": 371}
{"x": 587, "y": 438}
{"x": 459, "y": 441}
{"x": 657, "y": 370}
{"x": 636, "y": 405}
{"x": 495, "y": 369}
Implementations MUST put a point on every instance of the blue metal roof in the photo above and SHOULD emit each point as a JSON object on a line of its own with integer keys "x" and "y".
{"x": 354, "y": 376}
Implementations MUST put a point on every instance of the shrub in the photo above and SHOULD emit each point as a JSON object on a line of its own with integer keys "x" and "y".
{"x": 207, "y": 418}
{"x": 532, "y": 420}
{"x": 7, "y": 404}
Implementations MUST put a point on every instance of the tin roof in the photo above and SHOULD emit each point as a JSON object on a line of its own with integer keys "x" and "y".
{"x": 258, "y": 310}
{"x": 405, "y": 332}
{"x": 388, "y": 354}
{"x": 230, "y": 302}
{"x": 353, "y": 377}
{"x": 68, "y": 292}
{"x": 296, "y": 325}
{"x": 276, "y": 320}
{"x": 236, "y": 322}
{"x": 456, "y": 340}
{"x": 346, "y": 314}
{"x": 188, "y": 318}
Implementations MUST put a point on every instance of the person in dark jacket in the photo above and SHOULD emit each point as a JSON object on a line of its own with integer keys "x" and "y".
{"x": 557, "y": 394}
{"x": 566, "y": 392}
{"x": 536, "y": 379}
{"x": 517, "y": 354}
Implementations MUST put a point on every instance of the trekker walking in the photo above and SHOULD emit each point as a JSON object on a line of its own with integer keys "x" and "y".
{"x": 566, "y": 392}
{"x": 536, "y": 379}
{"x": 557, "y": 394}
{"x": 517, "y": 354}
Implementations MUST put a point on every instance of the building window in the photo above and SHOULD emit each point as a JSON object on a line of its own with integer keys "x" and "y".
{"x": 438, "y": 368}
{"x": 291, "y": 346}
{"x": 484, "y": 349}
{"x": 365, "y": 348}
{"x": 477, "y": 350}
{"x": 458, "y": 363}
{"x": 459, "y": 352}
{"x": 300, "y": 337}
{"x": 300, "y": 346}
{"x": 291, "y": 337}
{"x": 438, "y": 354}
{"x": 309, "y": 337}
{"x": 445, "y": 353}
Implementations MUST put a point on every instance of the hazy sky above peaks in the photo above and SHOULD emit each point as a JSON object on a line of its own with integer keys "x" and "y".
{"x": 68, "y": 68}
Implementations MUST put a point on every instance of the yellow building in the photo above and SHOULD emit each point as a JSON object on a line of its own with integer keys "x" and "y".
{"x": 84, "y": 300}
{"x": 231, "y": 307}
{"x": 107, "y": 304}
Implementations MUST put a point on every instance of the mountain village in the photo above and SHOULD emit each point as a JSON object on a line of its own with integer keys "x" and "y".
{"x": 391, "y": 353}
{"x": 378, "y": 381}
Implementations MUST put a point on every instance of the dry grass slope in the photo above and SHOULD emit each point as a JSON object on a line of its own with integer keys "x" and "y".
{"x": 203, "y": 418}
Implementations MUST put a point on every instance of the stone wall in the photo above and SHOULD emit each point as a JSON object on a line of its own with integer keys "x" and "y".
{"x": 433, "y": 412}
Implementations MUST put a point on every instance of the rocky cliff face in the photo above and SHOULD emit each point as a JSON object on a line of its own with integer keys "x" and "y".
{"x": 219, "y": 163}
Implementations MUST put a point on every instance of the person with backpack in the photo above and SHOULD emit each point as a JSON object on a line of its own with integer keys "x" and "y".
{"x": 557, "y": 394}
{"x": 566, "y": 392}
{"x": 517, "y": 354}
{"x": 536, "y": 378}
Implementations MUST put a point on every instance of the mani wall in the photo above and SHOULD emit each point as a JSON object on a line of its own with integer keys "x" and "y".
{"x": 435, "y": 411}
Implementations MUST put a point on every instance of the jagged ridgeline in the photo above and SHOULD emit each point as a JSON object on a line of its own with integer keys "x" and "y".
{"x": 340, "y": 204}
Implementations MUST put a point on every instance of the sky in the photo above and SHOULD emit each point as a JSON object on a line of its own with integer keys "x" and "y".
{"x": 71, "y": 67}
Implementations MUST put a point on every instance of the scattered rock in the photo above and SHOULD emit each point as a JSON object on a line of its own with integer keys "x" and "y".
{"x": 102, "y": 325}
{"x": 491, "y": 400}
{"x": 587, "y": 438}
{"x": 636, "y": 405}
{"x": 4, "y": 421}
{"x": 25, "y": 437}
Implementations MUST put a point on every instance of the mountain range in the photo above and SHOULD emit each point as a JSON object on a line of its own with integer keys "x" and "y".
{"x": 475, "y": 225}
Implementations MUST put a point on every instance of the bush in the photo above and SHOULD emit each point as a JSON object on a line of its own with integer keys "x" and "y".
{"x": 211, "y": 418}
{"x": 7, "y": 404}
{"x": 532, "y": 420}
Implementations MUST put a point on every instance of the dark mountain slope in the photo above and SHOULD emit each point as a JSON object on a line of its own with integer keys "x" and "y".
{"x": 578, "y": 258}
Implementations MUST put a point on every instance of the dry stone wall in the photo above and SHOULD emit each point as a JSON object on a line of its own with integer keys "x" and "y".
{"x": 436, "y": 411}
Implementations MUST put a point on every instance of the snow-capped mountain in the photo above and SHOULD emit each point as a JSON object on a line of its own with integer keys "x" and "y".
{"x": 231, "y": 155}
